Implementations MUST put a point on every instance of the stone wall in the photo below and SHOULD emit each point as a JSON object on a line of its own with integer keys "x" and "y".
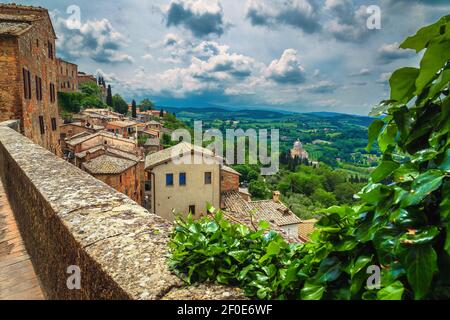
{"x": 66, "y": 217}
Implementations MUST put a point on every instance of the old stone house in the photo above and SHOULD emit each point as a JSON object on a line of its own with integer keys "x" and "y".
{"x": 119, "y": 172}
{"x": 184, "y": 178}
{"x": 82, "y": 142}
{"x": 124, "y": 128}
{"x": 28, "y": 73}
{"x": 152, "y": 145}
{"x": 67, "y": 76}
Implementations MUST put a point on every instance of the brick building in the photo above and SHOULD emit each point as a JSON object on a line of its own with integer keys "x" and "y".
{"x": 229, "y": 179}
{"x": 120, "y": 173}
{"x": 28, "y": 73}
{"x": 67, "y": 76}
{"x": 83, "y": 78}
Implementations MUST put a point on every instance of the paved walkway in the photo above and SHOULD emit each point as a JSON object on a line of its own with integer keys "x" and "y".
{"x": 18, "y": 281}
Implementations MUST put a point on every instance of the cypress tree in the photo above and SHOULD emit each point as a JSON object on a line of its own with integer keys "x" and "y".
{"x": 133, "y": 109}
{"x": 109, "y": 99}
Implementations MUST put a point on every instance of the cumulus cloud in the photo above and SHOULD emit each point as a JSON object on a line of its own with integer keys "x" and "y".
{"x": 212, "y": 68}
{"x": 95, "y": 39}
{"x": 147, "y": 56}
{"x": 388, "y": 53}
{"x": 361, "y": 73}
{"x": 384, "y": 78}
{"x": 409, "y": 2}
{"x": 348, "y": 23}
{"x": 201, "y": 17}
{"x": 301, "y": 14}
{"x": 286, "y": 70}
{"x": 322, "y": 87}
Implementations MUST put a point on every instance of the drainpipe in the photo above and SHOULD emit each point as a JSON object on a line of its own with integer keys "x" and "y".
{"x": 154, "y": 191}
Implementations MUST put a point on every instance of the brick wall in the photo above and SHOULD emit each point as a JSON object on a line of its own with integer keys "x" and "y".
{"x": 30, "y": 51}
{"x": 10, "y": 87}
{"x": 229, "y": 181}
{"x": 128, "y": 182}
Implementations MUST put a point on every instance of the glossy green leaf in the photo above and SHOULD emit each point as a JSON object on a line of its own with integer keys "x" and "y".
{"x": 312, "y": 291}
{"x": 329, "y": 269}
{"x": 374, "y": 130}
{"x": 420, "y": 236}
{"x": 421, "y": 39}
{"x": 392, "y": 292}
{"x": 403, "y": 84}
{"x": 387, "y": 137}
{"x": 423, "y": 186}
{"x": 437, "y": 54}
{"x": 445, "y": 164}
{"x": 359, "y": 264}
{"x": 444, "y": 206}
{"x": 239, "y": 255}
{"x": 384, "y": 170}
{"x": 447, "y": 238}
{"x": 441, "y": 82}
{"x": 420, "y": 263}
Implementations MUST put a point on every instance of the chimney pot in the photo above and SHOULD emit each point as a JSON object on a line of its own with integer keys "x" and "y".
{"x": 276, "y": 196}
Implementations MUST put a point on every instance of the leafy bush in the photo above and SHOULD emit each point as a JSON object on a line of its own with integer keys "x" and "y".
{"x": 402, "y": 224}
{"x": 215, "y": 249}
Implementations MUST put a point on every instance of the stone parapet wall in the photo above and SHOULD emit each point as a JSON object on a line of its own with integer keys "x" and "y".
{"x": 67, "y": 217}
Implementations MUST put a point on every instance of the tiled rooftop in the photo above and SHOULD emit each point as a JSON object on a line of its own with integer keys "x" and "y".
{"x": 152, "y": 142}
{"x": 306, "y": 228}
{"x": 230, "y": 170}
{"x": 74, "y": 141}
{"x": 180, "y": 149}
{"x": 106, "y": 164}
{"x": 123, "y": 124}
{"x": 240, "y": 211}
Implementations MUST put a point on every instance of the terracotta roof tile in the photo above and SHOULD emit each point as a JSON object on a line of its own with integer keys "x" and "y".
{"x": 238, "y": 210}
{"x": 230, "y": 170}
{"x": 305, "y": 228}
{"x": 106, "y": 164}
{"x": 182, "y": 148}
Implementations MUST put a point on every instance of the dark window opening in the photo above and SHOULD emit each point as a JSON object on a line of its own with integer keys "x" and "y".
{"x": 182, "y": 179}
{"x": 25, "y": 83}
{"x": 41, "y": 124}
{"x": 38, "y": 88}
{"x": 54, "y": 127}
{"x": 52, "y": 93}
{"x": 169, "y": 179}
{"x": 192, "y": 210}
{"x": 208, "y": 178}
{"x": 50, "y": 50}
{"x": 148, "y": 186}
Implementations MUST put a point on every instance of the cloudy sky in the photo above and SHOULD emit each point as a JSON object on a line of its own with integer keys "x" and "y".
{"x": 297, "y": 55}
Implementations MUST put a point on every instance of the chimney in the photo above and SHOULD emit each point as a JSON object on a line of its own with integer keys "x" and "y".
{"x": 276, "y": 196}
{"x": 88, "y": 156}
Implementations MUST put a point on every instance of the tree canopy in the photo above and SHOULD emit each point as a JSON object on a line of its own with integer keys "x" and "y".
{"x": 120, "y": 105}
{"x": 146, "y": 104}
